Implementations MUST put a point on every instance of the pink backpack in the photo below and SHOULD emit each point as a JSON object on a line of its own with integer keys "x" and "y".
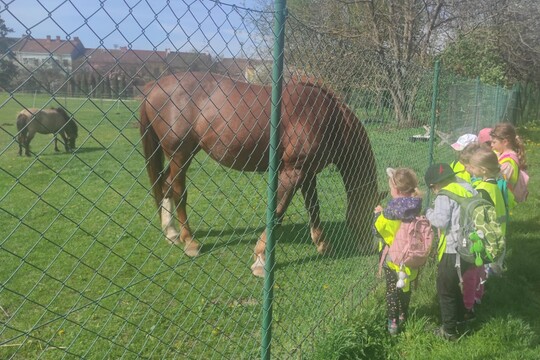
{"x": 520, "y": 189}
{"x": 412, "y": 243}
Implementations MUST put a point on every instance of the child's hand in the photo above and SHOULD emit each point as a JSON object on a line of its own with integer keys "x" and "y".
{"x": 378, "y": 209}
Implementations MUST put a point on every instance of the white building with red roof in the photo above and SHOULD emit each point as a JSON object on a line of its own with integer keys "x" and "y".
{"x": 31, "y": 53}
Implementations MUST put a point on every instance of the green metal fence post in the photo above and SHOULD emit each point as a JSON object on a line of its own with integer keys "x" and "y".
{"x": 277, "y": 80}
{"x": 436, "y": 73}
{"x": 434, "y": 98}
{"x": 497, "y": 105}
{"x": 476, "y": 106}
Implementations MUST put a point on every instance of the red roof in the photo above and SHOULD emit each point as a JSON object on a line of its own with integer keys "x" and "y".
{"x": 124, "y": 56}
{"x": 55, "y": 46}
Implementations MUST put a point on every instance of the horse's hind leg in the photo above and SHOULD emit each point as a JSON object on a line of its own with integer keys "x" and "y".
{"x": 176, "y": 193}
{"x": 288, "y": 183}
{"x": 311, "y": 202}
{"x": 21, "y": 140}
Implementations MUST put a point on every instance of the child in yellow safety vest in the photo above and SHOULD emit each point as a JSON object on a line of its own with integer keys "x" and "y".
{"x": 483, "y": 164}
{"x": 458, "y": 165}
{"x": 405, "y": 205}
{"x": 511, "y": 154}
{"x": 444, "y": 215}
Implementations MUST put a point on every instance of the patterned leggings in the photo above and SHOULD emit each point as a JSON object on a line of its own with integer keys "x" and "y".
{"x": 397, "y": 301}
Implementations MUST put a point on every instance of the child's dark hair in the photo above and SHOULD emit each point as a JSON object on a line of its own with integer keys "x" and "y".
{"x": 506, "y": 131}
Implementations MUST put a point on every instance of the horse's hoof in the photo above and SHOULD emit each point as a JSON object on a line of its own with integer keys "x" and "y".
{"x": 192, "y": 249}
{"x": 257, "y": 268}
{"x": 173, "y": 239}
{"x": 323, "y": 248}
{"x": 258, "y": 271}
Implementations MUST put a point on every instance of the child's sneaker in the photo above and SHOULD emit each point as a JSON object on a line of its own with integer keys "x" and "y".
{"x": 478, "y": 301}
{"x": 393, "y": 327}
{"x": 401, "y": 321}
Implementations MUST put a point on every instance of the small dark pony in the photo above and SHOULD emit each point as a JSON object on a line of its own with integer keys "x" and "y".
{"x": 46, "y": 121}
{"x": 228, "y": 119}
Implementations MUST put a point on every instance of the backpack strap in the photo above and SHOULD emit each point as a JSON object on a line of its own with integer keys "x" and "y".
{"x": 510, "y": 155}
{"x": 451, "y": 195}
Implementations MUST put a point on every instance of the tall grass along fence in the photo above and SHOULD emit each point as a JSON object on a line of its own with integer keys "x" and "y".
{"x": 86, "y": 269}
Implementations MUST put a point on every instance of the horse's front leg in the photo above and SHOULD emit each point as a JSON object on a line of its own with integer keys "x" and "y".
{"x": 29, "y": 138}
{"x": 176, "y": 182}
{"x": 56, "y": 143}
{"x": 21, "y": 140}
{"x": 66, "y": 142}
{"x": 288, "y": 183}
{"x": 311, "y": 202}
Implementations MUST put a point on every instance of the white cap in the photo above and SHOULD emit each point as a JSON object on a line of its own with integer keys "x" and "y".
{"x": 463, "y": 141}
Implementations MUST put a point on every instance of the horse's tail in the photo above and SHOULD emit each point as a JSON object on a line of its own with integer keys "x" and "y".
{"x": 152, "y": 153}
{"x": 22, "y": 121}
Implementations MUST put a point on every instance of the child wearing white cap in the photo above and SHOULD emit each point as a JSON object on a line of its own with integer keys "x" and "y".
{"x": 458, "y": 165}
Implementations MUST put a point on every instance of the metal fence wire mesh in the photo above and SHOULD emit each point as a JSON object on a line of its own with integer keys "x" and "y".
{"x": 86, "y": 269}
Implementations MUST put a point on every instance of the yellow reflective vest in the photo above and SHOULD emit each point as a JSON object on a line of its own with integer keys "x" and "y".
{"x": 498, "y": 201}
{"x": 388, "y": 229}
{"x": 515, "y": 169}
{"x": 460, "y": 171}
{"x": 459, "y": 190}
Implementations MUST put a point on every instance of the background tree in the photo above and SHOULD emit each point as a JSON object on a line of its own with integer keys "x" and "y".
{"x": 519, "y": 39}
{"x": 477, "y": 56}
{"x": 383, "y": 44}
{"x": 8, "y": 70}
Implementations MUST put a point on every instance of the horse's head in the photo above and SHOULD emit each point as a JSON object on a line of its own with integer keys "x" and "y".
{"x": 71, "y": 129}
{"x": 357, "y": 165}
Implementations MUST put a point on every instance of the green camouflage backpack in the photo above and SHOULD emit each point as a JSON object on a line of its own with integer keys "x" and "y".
{"x": 482, "y": 240}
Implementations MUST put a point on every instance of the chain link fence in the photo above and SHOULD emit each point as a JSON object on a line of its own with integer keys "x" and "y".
{"x": 86, "y": 269}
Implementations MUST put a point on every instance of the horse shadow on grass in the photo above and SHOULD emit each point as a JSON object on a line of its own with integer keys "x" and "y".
{"x": 77, "y": 151}
{"x": 344, "y": 244}
{"x": 89, "y": 149}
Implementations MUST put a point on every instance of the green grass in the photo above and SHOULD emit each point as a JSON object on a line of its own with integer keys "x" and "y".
{"x": 86, "y": 271}
{"x": 508, "y": 324}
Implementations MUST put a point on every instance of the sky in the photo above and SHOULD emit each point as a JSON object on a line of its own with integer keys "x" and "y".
{"x": 179, "y": 25}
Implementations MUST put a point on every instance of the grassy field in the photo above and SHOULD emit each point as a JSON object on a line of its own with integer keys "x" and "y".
{"x": 87, "y": 273}
{"x": 508, "y": 320}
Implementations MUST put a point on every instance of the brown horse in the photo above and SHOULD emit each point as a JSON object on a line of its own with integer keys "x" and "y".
{"x": 184, "y": 113}
{"x": 46, "y": 121}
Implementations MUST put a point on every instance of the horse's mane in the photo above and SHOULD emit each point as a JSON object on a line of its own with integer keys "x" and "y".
{"x": 311, "y": 81}
{"x": 62, "y": 112}
{"x": 71, "y": 125}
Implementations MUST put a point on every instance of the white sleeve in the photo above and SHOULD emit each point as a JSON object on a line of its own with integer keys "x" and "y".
{"x": 441, "y": 214}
